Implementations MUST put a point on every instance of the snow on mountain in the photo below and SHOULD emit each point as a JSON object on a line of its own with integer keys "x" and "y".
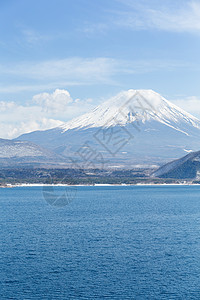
{"x": 18, "y": 149}
{"x": 16, "y": 152}
{"x": 151, "y": 130}
{"x": 132, "y": 106}
{"x": 183, "y": 168}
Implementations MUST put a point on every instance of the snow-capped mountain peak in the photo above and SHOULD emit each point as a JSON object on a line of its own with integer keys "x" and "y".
{"x": 152, "y": 131}
{"x": 133, "y": 106}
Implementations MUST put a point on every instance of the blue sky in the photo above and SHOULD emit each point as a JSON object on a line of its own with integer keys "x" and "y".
{"x": 91, "y": 50}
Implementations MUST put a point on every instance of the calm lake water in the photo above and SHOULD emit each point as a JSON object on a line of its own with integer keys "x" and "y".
{"x": 109, "y": 243}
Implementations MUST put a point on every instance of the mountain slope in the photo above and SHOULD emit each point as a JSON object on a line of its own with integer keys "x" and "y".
{"x": 186, "y": 167}
{"x": 14, "y": 153}
{"x": 136, "y": 127}
{"x": 133, "y": 105}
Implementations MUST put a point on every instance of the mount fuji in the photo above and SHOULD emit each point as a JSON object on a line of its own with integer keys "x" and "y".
{"x": 135, "y": 128}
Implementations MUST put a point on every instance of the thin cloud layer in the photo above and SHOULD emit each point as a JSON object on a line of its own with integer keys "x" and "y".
{"x": 47, "y": 75}
{"x": 81, "y": 68}
{"x": 37, "y": 76}
{"x": 182, "y": 16}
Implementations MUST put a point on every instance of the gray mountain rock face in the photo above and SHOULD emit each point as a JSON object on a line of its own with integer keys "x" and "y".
{"x": 21, "y": 153}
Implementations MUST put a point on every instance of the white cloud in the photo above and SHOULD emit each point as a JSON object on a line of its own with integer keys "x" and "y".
{"x": 56, "y": 102}
{"x": 180, "y": 16}
{"x": 189, "y": 104}
{"x": 16, "y": 119}
{"x": 45, "y": 111}
{"x": 4, "y": 106}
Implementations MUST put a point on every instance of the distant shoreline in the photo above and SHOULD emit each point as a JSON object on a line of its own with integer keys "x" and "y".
{"x": 96, "y": 185}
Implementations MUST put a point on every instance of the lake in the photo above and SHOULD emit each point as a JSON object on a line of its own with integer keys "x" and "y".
{"x": 108, "y": 242}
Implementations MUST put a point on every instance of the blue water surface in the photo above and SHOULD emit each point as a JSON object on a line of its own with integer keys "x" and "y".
{"x": 128, "y": 242}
